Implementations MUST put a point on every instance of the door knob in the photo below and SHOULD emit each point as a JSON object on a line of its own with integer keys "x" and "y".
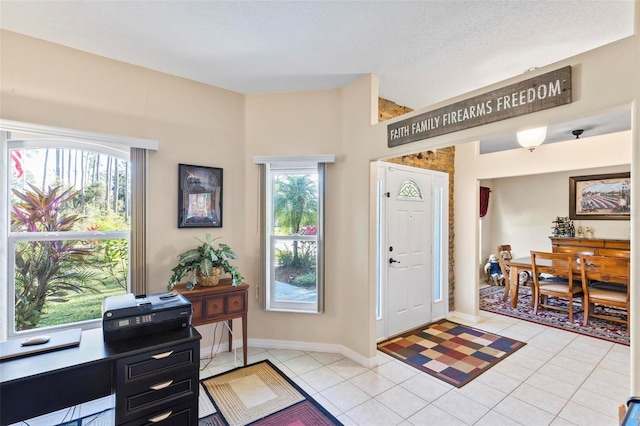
{"x": 392, "y": 260}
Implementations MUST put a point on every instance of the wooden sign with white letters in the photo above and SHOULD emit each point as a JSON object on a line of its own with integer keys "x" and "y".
{"x": 535, "y": 94}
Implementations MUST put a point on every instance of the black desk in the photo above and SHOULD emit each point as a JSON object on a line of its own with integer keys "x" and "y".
{"x": 39, "y": 384}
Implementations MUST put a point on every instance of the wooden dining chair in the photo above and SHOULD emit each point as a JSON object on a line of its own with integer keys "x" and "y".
{"x": 504, "y": 255}
{"x": 605, "y": 281}
{"x": 504, "y": 252}
{"x": 558, "y": 270}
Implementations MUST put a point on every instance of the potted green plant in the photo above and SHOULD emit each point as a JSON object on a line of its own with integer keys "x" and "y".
{"x": 204, "y": 264}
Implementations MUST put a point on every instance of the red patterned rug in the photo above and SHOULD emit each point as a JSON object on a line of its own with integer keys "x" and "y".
{"x": 258, "y": 394}
{"x": 491, "y": 301}
{"x": 451, "y": 352}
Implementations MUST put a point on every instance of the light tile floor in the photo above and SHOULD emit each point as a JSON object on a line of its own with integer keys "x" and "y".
{"x": 558, "y": 378}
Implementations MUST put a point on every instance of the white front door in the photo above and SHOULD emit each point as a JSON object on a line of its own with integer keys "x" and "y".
{"x": 408, "y": 251}
{"x": 412, "y": 250}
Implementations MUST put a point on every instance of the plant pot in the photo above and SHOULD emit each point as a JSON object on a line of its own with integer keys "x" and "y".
{"x": 209, "y": 281}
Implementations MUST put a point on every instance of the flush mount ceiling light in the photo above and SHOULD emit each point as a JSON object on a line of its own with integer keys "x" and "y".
{"x": 532, "y": 138}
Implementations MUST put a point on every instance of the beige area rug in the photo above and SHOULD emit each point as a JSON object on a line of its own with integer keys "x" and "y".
{"x": 258, "y": 394}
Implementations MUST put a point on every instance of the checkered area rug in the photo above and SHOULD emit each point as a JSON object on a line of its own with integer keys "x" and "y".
{"x": 451, "y": 352}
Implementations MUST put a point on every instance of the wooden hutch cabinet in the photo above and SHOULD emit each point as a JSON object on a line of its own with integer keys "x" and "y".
{"x": 594, "y": 244}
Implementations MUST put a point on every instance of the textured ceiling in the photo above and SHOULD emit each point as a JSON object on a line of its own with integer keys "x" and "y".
{"x": 423, "y": 51}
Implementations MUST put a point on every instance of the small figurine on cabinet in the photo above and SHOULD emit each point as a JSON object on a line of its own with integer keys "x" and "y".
{"x": 589, "y": 233}
{"x": 492, "y": 269}
{"x": 580, "y": 233}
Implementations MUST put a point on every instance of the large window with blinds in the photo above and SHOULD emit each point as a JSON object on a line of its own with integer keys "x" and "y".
{"x": 67, "y": 225}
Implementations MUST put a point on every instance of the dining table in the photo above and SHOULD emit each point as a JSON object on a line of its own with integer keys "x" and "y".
{"x": 523, "y": 264}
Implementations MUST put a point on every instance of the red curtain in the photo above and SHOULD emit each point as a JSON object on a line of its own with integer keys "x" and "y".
{"x": 484, "y": 200}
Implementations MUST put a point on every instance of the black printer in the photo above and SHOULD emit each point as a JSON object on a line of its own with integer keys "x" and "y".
{"x": 127, "y": 316}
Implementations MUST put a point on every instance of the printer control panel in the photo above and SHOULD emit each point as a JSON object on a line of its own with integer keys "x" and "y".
{"x": 142, "y": 319}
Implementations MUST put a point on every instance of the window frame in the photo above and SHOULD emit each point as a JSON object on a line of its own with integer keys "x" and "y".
{"x": 267, "y": 281}
{"x": 118, "y": 146}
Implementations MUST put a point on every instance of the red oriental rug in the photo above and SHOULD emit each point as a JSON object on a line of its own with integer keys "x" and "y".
{"x": 258, "y": 394}
{"x": 451, "y": 352}
{"x": 491, "y": 301}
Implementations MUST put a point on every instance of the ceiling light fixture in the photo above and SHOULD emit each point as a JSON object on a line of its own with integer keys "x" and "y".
{"x": 577, "y": 133}
{"x": 532, "y": 138}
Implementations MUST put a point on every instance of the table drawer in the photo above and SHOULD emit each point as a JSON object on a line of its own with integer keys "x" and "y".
{"x": 215, "y": 306}
{"x": 172, "y": 359}
{"x": 586, "y": 243}
{"x": 185, "y": 414}
{"x": 236, "y": 303}
{"x": 625, "y": 245}
{"x": 157, "y": 396}
{"x": 197, "y": 309}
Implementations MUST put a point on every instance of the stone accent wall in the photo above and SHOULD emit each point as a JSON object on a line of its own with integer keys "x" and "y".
{"x": 441, "y": 160}
{"x": 388, "y": 109}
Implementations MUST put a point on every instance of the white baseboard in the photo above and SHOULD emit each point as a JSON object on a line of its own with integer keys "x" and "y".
{"x": 315, "y": 347}
{"x": 205, "y": 351}
{"x": 298, "y": 346}
{"x": 464, "y": 317}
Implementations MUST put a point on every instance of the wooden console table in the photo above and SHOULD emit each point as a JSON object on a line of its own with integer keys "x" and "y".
{"x": 222, "y": 302}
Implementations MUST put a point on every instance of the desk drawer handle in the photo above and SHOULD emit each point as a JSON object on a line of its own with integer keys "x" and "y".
{"x": 162, "y": 355}
{"x": 160, "y": 417}
{"x": 162, "y": 385}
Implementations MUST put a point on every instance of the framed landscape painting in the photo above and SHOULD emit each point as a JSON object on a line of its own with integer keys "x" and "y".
{"x": 199, "y": 196}
{"x": 598, "y": 197}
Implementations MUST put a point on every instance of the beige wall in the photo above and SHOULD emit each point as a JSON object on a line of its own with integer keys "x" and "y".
{"x": 322, "y": 122}
{"x": 296, "y": 124}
